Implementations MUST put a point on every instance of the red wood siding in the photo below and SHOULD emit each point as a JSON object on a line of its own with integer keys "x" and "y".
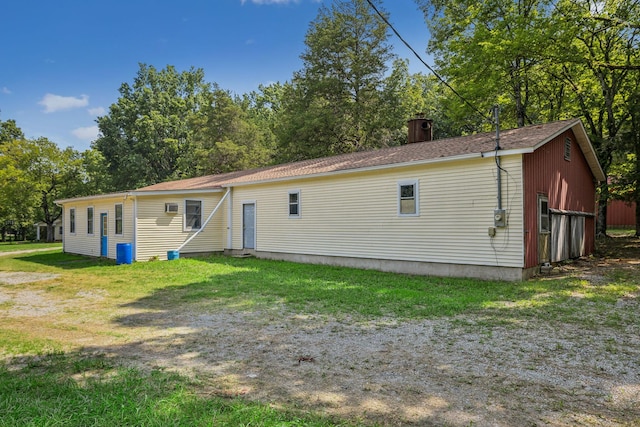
{"x": 569, "y": 185}
{"x": 621, "y": 214}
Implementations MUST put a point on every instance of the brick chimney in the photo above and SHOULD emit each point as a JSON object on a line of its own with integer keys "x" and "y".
{"x": 420, "y": 129}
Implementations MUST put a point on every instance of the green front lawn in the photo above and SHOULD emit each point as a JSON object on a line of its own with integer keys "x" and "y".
{"x": 252, "y": 284}
{"x": 73, "y": 390}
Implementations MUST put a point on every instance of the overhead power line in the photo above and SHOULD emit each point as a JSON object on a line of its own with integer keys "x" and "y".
{"x": 435, "y": 73}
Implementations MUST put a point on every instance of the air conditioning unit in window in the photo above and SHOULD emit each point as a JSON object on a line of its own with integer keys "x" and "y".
{"x": 171, "y": 207}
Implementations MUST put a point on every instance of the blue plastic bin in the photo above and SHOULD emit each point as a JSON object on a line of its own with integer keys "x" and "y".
{"x": 173, "y": 255}
{"x": 124, "y": 254}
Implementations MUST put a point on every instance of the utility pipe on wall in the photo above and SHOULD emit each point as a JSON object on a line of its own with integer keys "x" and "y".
{"x": 496, "y": 115}
{"x": 499, "y": 214}
{"x": 207, "y": 220}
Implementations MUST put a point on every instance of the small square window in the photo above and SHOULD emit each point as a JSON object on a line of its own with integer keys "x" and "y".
{"x": 567, "y": 149}
{"x": 408, "y": 198}
{"x": 294, "y": 203}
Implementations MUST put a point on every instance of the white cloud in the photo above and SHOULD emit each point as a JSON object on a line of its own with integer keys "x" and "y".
{"x": 53, "y": 103}
{"x": 87, "y": 133}
{"x": 6, "y": 90}
{"x": 96, "y": 111}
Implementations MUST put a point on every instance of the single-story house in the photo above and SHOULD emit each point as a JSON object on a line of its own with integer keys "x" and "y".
{"x": 463, "y": 206}
{"x": 41, "y": 230}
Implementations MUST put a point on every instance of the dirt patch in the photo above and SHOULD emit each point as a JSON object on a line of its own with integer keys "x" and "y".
{"x": 456, "y": 371}
{"x": 434, "y": 372}
{"x": 20, "y": 277}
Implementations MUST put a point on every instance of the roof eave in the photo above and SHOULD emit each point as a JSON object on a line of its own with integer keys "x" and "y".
{"x": 176, "y": 192}
{"x": 588, "y": 151}
{"x": 502, "y": 152}
{"x": 122, "y": 195}
{"x": 581, "y": 138}
{"x": 356, "y": 170}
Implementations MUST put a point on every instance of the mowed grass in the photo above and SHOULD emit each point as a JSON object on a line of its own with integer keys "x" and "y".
{"x": 73, "y": 390}
{"x": 51, "y": 384}
{"x": 249, "y": 284}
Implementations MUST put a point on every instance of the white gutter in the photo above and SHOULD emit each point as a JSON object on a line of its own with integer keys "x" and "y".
{"x": 207, "y": 220}
{"x": 135, "y": 228}
{"x": 230, "y": 222}
{"x": 175, "y": 192}
{"x": 121, "y": 195}
{"x": 125, "y": 194}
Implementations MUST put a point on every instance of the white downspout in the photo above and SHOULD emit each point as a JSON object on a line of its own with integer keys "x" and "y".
{"x": 206, "y": 222}
{"x": 135, "y": 228}
{"x": 230, "y": 222}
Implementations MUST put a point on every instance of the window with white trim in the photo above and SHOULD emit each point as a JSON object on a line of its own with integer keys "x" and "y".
{"x": 72, "y": 221}
{"x": 90, "y": 220}
{"x": 119, "y": 219}
{"x": 294, "y": 204}
{"x": 192, "y": 214}
{"x": 408, "y": 198}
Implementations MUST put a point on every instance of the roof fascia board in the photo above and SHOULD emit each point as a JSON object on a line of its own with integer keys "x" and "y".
{"x": 123, "y": 195}
{"x": 560, "y": 131}
{"x": 589, "y": 152}
{"x": 357, "y": 170}
{"x": 502, "y": 153}
{"x": 582, "y": 140}
{"x": 528, "y": 150}
{"x": 175, "y": 192}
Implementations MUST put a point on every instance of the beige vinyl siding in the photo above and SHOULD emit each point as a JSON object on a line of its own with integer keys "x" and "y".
{"x": 89, "y": 244}
{"x": 356, "y": 215}
{"x": 159, "y": 232}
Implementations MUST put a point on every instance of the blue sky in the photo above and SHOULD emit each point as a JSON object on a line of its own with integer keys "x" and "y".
{"x": 62, "y": 62}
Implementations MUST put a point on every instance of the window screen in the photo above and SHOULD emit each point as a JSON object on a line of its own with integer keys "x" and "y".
{"x": 193, "y": 214}
{"x": 408, "y": 199}
{"x": 294, "y": 203}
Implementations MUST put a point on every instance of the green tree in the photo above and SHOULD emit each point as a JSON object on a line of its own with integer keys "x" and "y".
{"x": 226, "y": 137}
{"x": 148, "y": 128}
{"x": 543, "y": 61}
{"x": 491, "y": 52}
{"x": 599, "y": 64}
{"x": 9, "y": 131}
{"x": 408, "y": 94}
{"x": 34, "y": 174}
{"x": 625, "y": 172}
{"x": 334, "y": 104}
{"x": 93, "y": 174}
{"x": 14, "y": 185}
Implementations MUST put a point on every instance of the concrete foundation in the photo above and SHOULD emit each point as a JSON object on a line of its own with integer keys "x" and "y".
{"x": 512, "y": 274}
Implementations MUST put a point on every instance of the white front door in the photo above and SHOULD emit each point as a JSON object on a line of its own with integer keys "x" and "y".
{"x": 249, "y": 226}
